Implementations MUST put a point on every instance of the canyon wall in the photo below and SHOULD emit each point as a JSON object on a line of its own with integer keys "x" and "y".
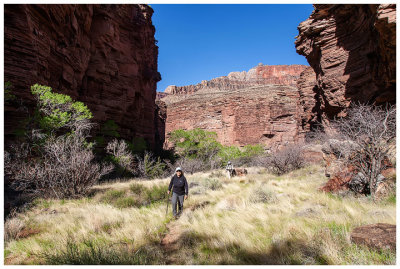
{"x": 102, "y": 55}
{"x": 352, "y": 50}
{"x": 265, "y": 114}
{"x": 258, "y": 75}
{"x": 259, "y": 106}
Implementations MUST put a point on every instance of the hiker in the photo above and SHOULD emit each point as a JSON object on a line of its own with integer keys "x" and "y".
{"x": 229, "y": 169}
{"x": 179, "y": 191}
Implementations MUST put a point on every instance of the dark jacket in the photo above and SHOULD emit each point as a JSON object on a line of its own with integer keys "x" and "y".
{"x": 180, "y": 185}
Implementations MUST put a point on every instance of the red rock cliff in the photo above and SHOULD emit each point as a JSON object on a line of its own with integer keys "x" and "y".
{"x": 259, "y": 75}
{"x": 260, "y": 106}
{"x": 352, "y": 50}
{"x": 103, "y": 55}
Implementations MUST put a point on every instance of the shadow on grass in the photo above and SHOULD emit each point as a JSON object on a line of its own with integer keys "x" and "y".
{"x": 197, "y": 250}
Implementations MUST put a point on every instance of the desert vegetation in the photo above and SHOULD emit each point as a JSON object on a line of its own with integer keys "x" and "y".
{"x": 103, "y": 200}
{"x": 261, "y": 218}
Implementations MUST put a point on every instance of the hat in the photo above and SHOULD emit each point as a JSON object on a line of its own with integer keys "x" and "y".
{"x": 178, "y": 169}
{"x": 229, "y": 162}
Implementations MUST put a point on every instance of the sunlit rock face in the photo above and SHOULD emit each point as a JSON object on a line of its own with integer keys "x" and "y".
{"x": 103, "y": 55}
{"x": 261, "y": 106}
{"x": 352, "y": 50}
{"x": 258, "y": 75}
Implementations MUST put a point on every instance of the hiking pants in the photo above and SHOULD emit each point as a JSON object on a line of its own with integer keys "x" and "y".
{"x": 177, "y": 198}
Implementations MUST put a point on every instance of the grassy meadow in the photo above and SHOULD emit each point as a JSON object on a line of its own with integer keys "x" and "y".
{"x": 256, "y": 219}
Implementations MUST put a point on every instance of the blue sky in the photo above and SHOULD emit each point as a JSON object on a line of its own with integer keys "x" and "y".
{"x": 201, "y": 42}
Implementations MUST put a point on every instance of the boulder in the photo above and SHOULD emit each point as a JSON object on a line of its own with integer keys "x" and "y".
{"x": 377, "y": 236}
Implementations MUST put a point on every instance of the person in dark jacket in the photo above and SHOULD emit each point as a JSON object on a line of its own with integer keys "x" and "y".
{"x": 180, "y": 190}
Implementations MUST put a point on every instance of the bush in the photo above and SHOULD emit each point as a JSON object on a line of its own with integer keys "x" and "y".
{"x": 58, "y": 162}
{"x": 64, "y": 168}
{"x": 212, "y": 183}
{"x": 372, "y": 133}
{"x": 150, "y": 167}
{"x": 12, "y": 228}
{"x": 156, "y": 193}
{"x": 288, "y": 159}
{"x": 137, "y": 188}
{"x": 205, "y": 152}
{"x": 191, "y": 165}
{"x": 109, "y": 128}
{"x": 120, "y": 156}
{"x": 125, "y": 202}
{"x": 262, "y": 195}
{"x": 195, "y": 143}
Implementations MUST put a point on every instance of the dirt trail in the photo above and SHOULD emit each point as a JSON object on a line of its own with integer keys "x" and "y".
{"x": 170, "y": 241}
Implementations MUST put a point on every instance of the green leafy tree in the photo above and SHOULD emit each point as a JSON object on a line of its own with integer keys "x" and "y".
{"x": 196, "y": 143}
{"x": 59, "y": 110}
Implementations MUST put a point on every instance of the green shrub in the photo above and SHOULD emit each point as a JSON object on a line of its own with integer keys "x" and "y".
{"x": 239, "y": 156}
{"x": 150, "y": 167}
{"x": 125, "y": 202}
{"x": 109, "y": 128}
{"x": 138, "y": 145}
{"x": 212, "y": 183}
{"x": 58, "y": 110}
{"x": 112, "y": 195}
{"x": 195, "y": 143}
{"x": 137, "y": 188}
{"x": 203, "y": 145}
{"x": 156, "y": 193}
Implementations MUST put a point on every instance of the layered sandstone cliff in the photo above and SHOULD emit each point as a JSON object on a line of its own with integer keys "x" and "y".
{"x": 103, "y": 55}
{"x": 256, "y": 107}
{"x": 263, "y": 114}
{"x": 259, "y": 75}
{"x": 352, "y": 50}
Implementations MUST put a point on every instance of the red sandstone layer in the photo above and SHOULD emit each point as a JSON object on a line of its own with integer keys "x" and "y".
{"x": 103, "y": 55}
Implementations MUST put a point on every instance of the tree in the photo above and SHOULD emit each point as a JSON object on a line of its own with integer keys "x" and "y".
{"x": 56, "y": 160}
{"x": 372, "y": 131}
{"x": 196, "y": 143}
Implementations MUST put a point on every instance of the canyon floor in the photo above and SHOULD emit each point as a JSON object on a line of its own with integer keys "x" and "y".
{"x": 256, "y": 219}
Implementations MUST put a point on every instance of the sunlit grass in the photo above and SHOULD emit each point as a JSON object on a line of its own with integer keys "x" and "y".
{"x": 256, "y": 219}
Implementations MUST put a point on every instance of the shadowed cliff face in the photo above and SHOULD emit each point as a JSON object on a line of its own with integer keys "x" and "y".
{"x": 103, "y": 55}
{"x": 352, "y": 49}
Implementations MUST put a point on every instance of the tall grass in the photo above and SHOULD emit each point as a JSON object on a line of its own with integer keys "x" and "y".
{"x": 256, "y": 219}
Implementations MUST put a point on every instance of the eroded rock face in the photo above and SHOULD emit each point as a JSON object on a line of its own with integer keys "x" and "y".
{"x": 260, "y": 106}
{"x": 103, "y": 55}
{"x": 259, "y": 75}
{"x": 265, "y": 114}
{"x": 379, "y": 236}
{"x": 352, "y": 50}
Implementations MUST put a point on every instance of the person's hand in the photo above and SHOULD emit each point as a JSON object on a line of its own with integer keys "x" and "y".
{"x": 186, "y": 197}
{"x": 169, "y": 192}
